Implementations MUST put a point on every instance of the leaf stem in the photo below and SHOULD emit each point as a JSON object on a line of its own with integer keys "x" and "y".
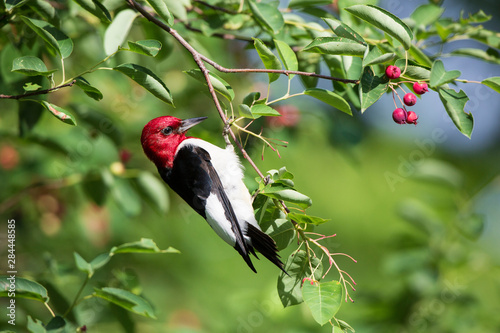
{"x": 75, "y": 301}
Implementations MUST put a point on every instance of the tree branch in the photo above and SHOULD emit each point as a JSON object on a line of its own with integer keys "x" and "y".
{"x": 40, "y": 92}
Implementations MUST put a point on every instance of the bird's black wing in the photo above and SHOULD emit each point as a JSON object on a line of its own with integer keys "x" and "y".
{"x": 194, "y": 178}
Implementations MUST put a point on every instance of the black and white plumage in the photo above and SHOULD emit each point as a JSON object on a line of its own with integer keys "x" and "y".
{"x": 210, "y": 180}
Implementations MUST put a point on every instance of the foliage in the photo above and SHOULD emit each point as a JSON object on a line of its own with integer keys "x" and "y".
{"x": 50, "y": 48}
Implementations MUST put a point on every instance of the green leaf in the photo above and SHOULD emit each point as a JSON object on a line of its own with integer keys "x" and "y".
{"x": 96, "y": 8}
{"x": 273, "y": 221}
{"x": 153, "y": 191}
{"x": 385, "y": 21}
{"x": 285, "y": 193}
{"x": 490, "y": 55}
{"x": 493, "y": 83}
{"x": 149, "y": 80}
{"x": 336, "y": 46}
{"x": 29, "y": 113}
{"x": 263, "y": 110}
{"x": 145, "y": 245}
{"x": 31, "y": 66}
{"x": 427, "y": 14}
{"x": 83, "y": 265}
{"x": 268, "y": 58}
{"x": 178, "y": 8}
{"x": 219, "y": 84}
{"x": 149, "y": 47}
{"x": 323, "y": 299}
{"x": 372, "y": 88}
{"x": 330, "y": 98}
{"x": 478, "y": 17}
{"x": 454, "y": 103}
{"x": 419, "y": 56}
{"x": 245, "y": 111}
{"x": 30, "y": 86}
{"x": 126, "y": 300}
{"x": 294, "y": 4}
{"x": 161, "y": 8}
{"x": 471, "y": 226}
{"x": 100, "y": 261}
{"x": 117, "y": 31}
{"x": 375, "y": 56}
{"x": 88, "y": 89}
{"x": 440, "y": 76}
{"x": 24, "y": 288}
{"x": 298, "y": 268}
{"x": 251, "y": 98}
{"x": 268, "y": 16}
{"x": 307, "y": 219}
{"x": 56, "y": 324}
{"x": 414, "y": 71}
{"x": 126, "y": 197}
{"x": 287, "y": 56}
{"x": 343, "y": 30}
{"x": 56, "y": 39}
{"x": 97, "y": 184}
{"x": 11, "y": 4}
{"x": 59, "y": 113}
{"x": 35, "y": 326}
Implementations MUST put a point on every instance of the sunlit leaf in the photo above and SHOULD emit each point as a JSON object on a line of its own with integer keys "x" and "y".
{"x": 160, "y": 6}
{"x": 287, "y": 56}
{"x": 263, "y": 110}
{"x": 427, "y": 14}
{"x": 117, "y": 31}
{"x": 385, "y": 21}
{"x": 454, "y": 103}
{"x": 343, "y": 30}
{"x": 145, "y": 245}
{"x": 330, "y": 98}
{"x": 493, "y": 83}
{"x": 307, "y": 219}
{"x": 336, "y": 46}
{"x": 31, "y": 66}
{"x": 268, "y": 16}
{"x": 24, "y": 288}
{"x": 268, "y": 58}
{"x": 59, "y": 113}
{"x": 323, "y": 299}
{"x": 440, "y": 76}
{"x": 375, "y": 56}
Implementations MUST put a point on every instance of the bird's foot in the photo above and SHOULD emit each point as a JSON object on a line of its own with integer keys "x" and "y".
{"x": 225, "y": 131}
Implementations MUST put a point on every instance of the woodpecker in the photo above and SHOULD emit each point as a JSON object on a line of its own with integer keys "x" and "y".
{"x": 210, "y": 180}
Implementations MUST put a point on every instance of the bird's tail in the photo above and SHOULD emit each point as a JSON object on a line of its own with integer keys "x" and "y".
{"x": 265, "y": 245}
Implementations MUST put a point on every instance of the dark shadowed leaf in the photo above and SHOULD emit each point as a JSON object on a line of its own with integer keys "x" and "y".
{"x": 88, "y": 89}
{"x": 148, "y": 80}
{"x": 219, "y": 84}
{"x": 149, "y": 47}
{"x": 372, "y": 88}
{"x": 126, "y": 300}
{"x": 298, "y": 267}
{"x": 56, "y": 39}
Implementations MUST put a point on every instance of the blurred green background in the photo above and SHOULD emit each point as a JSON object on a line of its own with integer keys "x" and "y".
{"x": 416, "y": 206}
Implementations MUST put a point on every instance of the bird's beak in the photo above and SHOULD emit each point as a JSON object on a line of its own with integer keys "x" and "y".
{"x": 188, "y": 123}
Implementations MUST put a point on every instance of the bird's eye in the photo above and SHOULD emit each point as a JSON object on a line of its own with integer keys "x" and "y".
{"x": 167, "y": 130}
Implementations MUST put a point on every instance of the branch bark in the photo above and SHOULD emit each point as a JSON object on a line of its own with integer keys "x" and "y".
{"x": 40, "y": 92}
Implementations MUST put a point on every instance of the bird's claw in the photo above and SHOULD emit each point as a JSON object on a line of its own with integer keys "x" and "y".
{"x": 225, "y": 131}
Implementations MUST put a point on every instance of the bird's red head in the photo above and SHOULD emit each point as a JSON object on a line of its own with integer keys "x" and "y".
{"x": 161, "y": 137}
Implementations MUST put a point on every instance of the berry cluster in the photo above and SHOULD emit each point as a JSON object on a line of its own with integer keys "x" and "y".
{"x": 400, "y": 115}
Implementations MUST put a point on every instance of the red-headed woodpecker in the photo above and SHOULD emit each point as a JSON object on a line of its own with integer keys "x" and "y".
{"x": 209, "y": 179}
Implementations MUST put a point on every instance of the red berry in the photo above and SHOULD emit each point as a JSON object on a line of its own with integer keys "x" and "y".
{"x": 392, "y": 72}
{"x": 420, "y": 88}
{"x": 410, "y": 99}
{"x": 411, "y": 118}
{"x": 399, "y": 115}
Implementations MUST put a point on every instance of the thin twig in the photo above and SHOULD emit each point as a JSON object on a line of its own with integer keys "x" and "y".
{"x": 40, "y": 92}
